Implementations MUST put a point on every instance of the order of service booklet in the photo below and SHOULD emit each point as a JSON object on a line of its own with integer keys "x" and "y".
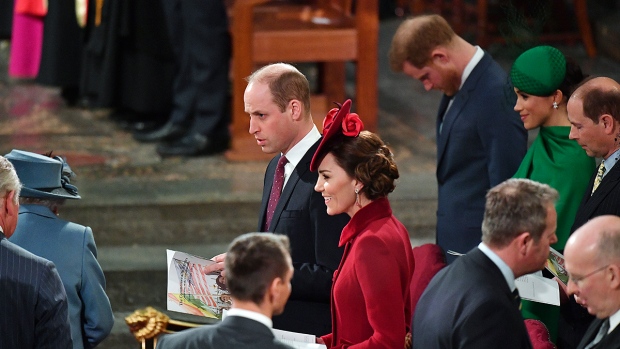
{"x": 193, "y": 288}
{"x": 555, "y": 264}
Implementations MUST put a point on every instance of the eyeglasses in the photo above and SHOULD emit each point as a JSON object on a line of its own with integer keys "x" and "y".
{"x": 578, "y": 280}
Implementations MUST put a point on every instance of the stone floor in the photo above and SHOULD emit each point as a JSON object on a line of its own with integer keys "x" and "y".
{"x": 139, "y": 204}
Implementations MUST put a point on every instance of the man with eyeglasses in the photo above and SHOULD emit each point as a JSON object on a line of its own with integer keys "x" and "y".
{"x": 592, "y": 257}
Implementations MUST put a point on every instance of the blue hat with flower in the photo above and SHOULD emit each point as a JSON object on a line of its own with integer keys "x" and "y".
{"x": 43, "y": 176}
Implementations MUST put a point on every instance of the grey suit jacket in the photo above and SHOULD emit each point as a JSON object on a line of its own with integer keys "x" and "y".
{"x": 610, "y": 341}
{"x": 481, "y": 144}
{"x": 33, "y": 303}
{"x": 301, "y": 214}
{"x": 233, "y": 332}
{"x": 469, "y": 305}
{"x": 72, "y": 249}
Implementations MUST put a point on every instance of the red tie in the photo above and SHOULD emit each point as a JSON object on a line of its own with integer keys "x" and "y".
{"x": 276, "y": 190}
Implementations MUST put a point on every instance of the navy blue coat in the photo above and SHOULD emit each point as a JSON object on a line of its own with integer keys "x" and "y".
{"x": 469, "y": 305}
{"x": 301, "y": 214}
{"x": 33, "y": 304}
{"x": 481, "y": 144}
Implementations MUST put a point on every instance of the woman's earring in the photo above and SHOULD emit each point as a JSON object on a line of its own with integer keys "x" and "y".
{"x": 555, "y": 105}
{"x": 357, "y": 198}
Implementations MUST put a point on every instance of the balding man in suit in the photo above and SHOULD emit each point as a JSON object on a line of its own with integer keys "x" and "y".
{"x": 592, "y": 258}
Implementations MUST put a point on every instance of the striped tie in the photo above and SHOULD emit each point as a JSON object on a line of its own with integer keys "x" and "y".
{"x": 599, "y": 176}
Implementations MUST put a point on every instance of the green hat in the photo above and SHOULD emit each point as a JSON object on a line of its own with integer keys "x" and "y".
{"x": 539, "y": 71}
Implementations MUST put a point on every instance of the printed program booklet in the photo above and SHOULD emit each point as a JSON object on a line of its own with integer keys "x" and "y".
{"x": 193, "y": 288}
{"x": 555, "y": 264}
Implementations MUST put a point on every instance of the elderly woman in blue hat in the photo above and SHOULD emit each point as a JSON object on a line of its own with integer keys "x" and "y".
{"x": 45, "y": 186}
{"x": 543, "y": 80}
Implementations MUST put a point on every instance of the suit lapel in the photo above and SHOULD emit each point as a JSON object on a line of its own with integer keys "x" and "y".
{"x": 460, "y": 101}
{"x": 300, "y": 170}
{"x": 591, "y": 203}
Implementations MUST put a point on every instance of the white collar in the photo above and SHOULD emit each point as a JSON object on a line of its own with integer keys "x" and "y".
{"x": 503, "y": 267}
{"x": 297, "y": 152}
{"x": 252, "y": 315}
{"x": 471, "y": 65}
{"x": 614, "y": 320}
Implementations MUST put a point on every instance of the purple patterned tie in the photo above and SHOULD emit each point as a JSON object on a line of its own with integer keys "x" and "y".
{"x": 276, "y": 190}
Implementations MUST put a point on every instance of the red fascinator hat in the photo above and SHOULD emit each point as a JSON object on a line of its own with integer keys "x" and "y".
{"x": 338, "y": 122}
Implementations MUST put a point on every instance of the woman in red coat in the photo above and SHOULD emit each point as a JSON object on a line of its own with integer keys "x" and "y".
{"x": 370, "y": 301}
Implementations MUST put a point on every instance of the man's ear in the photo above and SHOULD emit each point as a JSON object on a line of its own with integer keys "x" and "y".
{"x": 524, "y": 242}
{"x": 9, "y": 206}
{"x": 615, "y": 276}
{"x": 274, "y": 290}
{"x": 609, "y": 123}
{"x": 296, "y": 109}
{"x": 440, "y": 55}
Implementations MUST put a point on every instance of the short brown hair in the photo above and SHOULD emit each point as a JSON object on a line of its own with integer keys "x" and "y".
{"x": 367, "y": 159}
{"x": 253, "y": 261}
{"x": 416, "y": 38}
{"x": 285, "y": 84}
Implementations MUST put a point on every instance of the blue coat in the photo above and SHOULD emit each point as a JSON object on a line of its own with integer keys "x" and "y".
{"x": 33, "y": 304}
{"x": 301, "y": 214}
{"x": 468, "y": 305}
{"x": 72, "y": 248}
{"x": 481, "y": 144}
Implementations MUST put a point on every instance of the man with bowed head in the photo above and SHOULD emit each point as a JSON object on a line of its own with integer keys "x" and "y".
{"x": 33, "y": 305}
{"x": 474, "y": 303}
{"x": 480, "y": 139}
{"x": 592, "y": 258}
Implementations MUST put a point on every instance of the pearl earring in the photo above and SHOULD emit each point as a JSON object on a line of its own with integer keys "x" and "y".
{"x": 555, "y": 105}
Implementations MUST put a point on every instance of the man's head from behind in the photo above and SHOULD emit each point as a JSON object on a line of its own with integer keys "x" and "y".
{"x": 594, "y": 114}
{"x": 520, "y": 221}
{"x": 259, "y": 270}
{"x": 9, "y": 191}
{"x": 277, "y": 99}
{"x": 592, "y": 259}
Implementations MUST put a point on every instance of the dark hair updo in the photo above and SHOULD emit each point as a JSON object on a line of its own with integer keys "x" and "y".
{"x": 367, "y": 159}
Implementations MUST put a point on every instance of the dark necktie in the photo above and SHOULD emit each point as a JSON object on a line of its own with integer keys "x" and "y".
{"x": 602, "y": 331}
{"x": 517, "y": 298}
{"x": 276, "y": 190}
{"x": 443, "y": 107}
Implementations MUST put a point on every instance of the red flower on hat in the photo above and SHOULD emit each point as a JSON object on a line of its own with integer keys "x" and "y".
{"x": 352, "y": 125}
{"x": 329, "y": 119}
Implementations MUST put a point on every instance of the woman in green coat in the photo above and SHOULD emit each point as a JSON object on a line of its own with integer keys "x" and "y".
{"x": 543, "y": 79}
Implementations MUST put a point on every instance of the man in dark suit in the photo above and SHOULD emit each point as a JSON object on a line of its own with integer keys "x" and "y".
{"x": 594, "y": 114}
{"x": 198, "y": 123}
{"x": 592, "y": 257}
{"x": 70, "y": 246}
{"x": 473, "y": 303}
{"x": 277, "y": 99}
{"x": 480, "y": 139}
{"x": 33, "y": 305}
{"x": 258, "y": 275}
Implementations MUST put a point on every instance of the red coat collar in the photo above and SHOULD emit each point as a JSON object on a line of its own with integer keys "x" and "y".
{"x": 375, "y": 210}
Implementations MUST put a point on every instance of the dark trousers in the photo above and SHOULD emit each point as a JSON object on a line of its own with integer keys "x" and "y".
{"x": 198, "y": 31}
